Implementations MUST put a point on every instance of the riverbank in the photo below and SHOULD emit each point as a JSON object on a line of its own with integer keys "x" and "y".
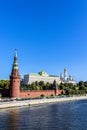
{"x": 38, "y": 101}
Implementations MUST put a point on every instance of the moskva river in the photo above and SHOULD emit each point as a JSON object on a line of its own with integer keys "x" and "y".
{"x": 59, "y": 116}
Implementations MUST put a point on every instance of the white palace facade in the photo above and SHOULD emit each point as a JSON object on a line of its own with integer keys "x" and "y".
{"x": 43, "y": 76}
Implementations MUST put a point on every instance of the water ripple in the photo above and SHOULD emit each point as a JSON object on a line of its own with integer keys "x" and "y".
{"x": 59, "y": 116}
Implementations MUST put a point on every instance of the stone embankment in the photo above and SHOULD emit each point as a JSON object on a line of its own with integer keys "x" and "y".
{"x": 38, "y": 101}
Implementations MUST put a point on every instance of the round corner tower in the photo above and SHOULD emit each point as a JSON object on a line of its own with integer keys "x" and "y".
{"x": 15, "y": 79}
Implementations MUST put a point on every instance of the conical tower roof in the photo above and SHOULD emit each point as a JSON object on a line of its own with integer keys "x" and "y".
{"x": 15, "y": 63}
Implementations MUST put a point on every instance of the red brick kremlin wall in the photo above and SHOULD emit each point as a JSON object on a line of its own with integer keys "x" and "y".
{"x": 38, "y": 93}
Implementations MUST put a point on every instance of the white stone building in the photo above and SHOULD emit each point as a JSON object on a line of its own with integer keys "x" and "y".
{"x": 43, "y": 76}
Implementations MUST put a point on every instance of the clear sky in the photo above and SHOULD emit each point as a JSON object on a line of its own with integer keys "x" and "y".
{"x": 49, "y": 35}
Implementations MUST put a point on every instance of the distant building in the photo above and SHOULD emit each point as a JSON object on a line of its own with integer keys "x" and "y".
{"x": 43, "y": 76}
{"x": 65, "y": 74}
{"x": 65, "y": 79}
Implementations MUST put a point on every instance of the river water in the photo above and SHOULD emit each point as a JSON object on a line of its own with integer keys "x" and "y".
{"x": 59, "y": 116}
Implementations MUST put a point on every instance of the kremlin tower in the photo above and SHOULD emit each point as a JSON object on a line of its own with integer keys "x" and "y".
{"x": 15, "y": 79}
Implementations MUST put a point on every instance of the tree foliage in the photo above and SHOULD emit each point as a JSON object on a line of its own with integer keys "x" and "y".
{"x": 4, "y": 84}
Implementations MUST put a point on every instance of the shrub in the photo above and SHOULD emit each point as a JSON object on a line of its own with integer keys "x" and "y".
{"x": 42, "y": 96}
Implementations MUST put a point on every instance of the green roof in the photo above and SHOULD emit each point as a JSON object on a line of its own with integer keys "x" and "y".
{"x": 53, "y": 76}
{"x": 39, "y": 74}
{"x": 34, "y": 74}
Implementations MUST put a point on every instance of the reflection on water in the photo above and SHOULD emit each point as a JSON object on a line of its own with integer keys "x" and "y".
{"x": 59, "y": 116}
{"x": 10, "y": 119}
{"x": 13, "y": 120}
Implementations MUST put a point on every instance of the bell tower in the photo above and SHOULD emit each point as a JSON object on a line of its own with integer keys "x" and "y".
{"x": 15, "y": 78}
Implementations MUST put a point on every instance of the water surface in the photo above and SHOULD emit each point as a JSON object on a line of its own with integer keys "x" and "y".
{"x": 59, "y": 116}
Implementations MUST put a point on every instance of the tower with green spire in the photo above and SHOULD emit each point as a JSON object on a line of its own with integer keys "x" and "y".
{"x": 15, "y": 78}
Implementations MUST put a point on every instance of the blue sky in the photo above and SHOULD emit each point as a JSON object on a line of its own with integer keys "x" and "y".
{"x": 49, "y": 35}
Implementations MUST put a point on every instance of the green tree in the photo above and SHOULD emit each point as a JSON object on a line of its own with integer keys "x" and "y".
{"x": 4, "y": 84}
{"x": 61, "y": 86}
{"x": 48, "y": 86}
{"x": 0, "y": 95}
{"x": 42, "y": 83}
